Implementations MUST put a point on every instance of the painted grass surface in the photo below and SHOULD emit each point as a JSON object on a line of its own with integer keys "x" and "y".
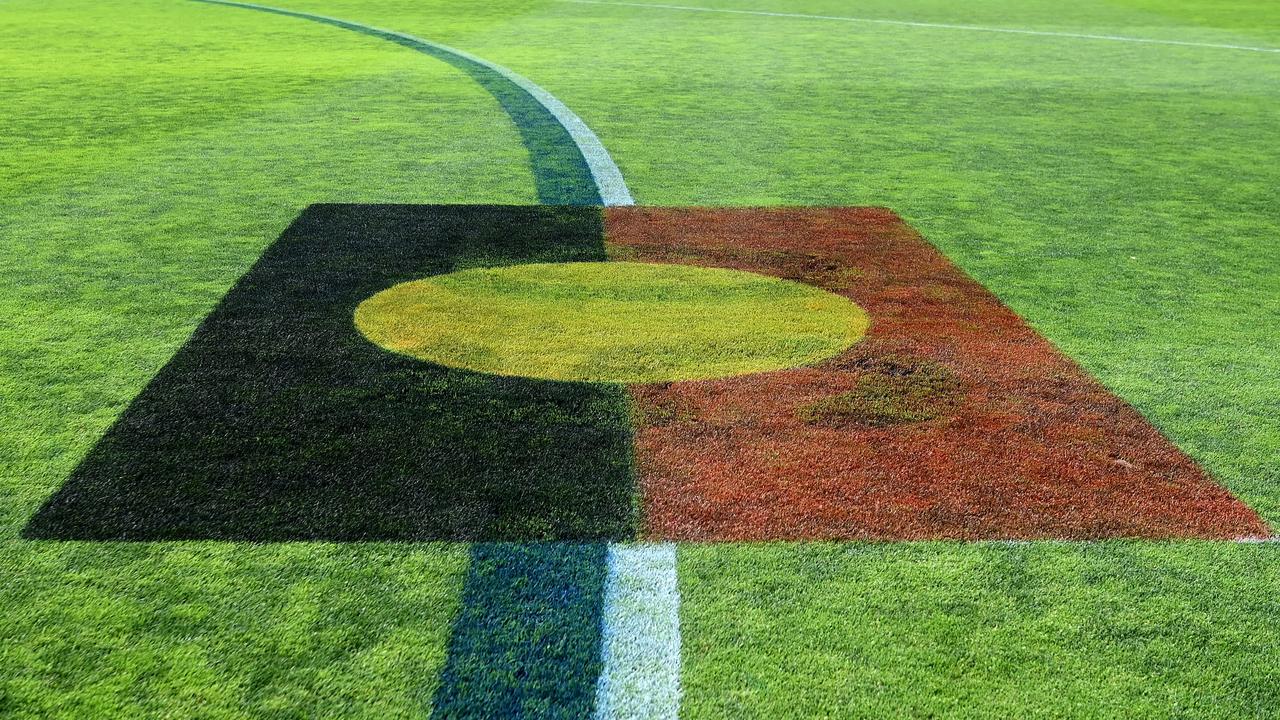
{"x": 611, "y": 322}
{"x": 278, "y": 421}
{"x": 1030, "y": 447}
{"x": 978, "y": 631}
{"x": 1119, "y": 197}
{"x": 640, "y": 639}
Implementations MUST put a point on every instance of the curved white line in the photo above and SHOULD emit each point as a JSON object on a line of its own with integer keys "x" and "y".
{"x": 939, "y": 26}
{"x": 604, "y": 171}
{"x": 613, "y": 189}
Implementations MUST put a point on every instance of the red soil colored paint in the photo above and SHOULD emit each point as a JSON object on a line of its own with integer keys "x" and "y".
{"x": 1026, "y": 444}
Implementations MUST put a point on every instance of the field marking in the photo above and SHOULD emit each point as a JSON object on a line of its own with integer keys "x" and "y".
{"x": 936, "y": 26}
{"x": 640, "y": 643}
{"x": 610, "y": 185}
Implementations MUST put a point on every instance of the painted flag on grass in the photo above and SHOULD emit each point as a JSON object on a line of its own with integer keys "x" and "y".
{"x": 919, "y": 406}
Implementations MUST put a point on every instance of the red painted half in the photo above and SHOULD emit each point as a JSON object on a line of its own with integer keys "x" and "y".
{"x": 964, "y": 422}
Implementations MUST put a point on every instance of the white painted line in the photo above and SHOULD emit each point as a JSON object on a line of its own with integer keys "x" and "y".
{"x": 608, "y": 178}
{"x": 1273, "y": 540}
{"x": 613, "y": 189}
{"x": 937, "y": 26}
{"x": 640, "y": 677}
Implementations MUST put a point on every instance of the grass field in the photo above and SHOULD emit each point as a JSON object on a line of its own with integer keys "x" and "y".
{"x": 1119, "y": 196}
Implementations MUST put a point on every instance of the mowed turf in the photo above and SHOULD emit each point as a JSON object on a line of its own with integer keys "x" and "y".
{"x": 1117, "y": 196}
{"x": 1037, "y": 630}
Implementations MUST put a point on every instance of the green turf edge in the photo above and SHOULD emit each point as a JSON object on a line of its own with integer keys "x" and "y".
{"x": 222, "y": 630}
{"x": 1028, "y": 630}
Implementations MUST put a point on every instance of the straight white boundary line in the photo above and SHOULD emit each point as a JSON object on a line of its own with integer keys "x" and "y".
{"x": 936, "y": 26}
{"x": 1270, "y": 540}
{"x": 640, "y": 645}
{"x": 608, "y": 178}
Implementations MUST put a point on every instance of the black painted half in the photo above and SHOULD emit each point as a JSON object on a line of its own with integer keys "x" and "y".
{"x": 279, "y": 421}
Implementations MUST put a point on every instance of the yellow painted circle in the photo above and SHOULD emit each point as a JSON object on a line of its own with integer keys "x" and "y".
{"x": 611, "y": 321}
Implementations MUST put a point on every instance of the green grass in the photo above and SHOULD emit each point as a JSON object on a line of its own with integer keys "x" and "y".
{"x": 611, "y": 322}
{"x": 1120, "y": 197}
{"x": 1034, "y": 630}
{"x": 217, "y": 630}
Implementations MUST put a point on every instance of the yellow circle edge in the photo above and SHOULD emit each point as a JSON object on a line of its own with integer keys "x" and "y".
{"x": 617, "y": 322}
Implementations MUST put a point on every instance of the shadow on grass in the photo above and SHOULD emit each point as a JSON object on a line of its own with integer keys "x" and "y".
{"x": 527, "y": 640}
